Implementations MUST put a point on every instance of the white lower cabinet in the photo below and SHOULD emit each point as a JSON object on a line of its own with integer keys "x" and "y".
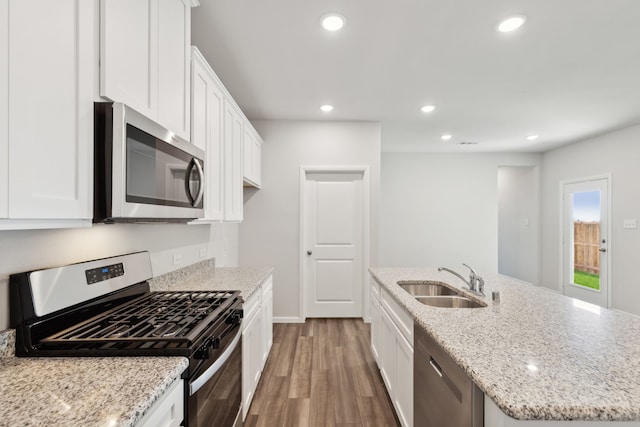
{"x": 168, "y": 411}
{"x": 256, "y": 339}
{"x": 393, "y": 350}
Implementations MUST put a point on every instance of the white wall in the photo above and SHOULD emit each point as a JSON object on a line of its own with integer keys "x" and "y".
{"x": 33, "y": 249}
{"x": 519, "y": 222}
{"x": 269, "y": 235}
{"x": 617, "y": 153}
{"x": 442, "y": 209}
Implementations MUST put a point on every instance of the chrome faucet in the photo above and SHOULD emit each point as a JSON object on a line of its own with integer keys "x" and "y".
{"x": 475, "y": 282}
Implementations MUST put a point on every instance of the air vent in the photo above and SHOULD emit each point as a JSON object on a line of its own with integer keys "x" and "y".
{"x": 468, "y": 142}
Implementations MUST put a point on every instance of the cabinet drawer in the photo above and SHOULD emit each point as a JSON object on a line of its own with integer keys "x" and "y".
{"x": 251, "y": 306}
{"x": 375, "y": 289}
{"x": 400, "y": 317}
{"x": 267, "y": 286}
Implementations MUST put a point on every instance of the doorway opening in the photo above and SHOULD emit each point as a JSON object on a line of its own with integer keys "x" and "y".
{"x": 518, "y": 222}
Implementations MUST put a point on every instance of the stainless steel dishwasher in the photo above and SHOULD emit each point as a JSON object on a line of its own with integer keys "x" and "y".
{"x": 443, "y": 395}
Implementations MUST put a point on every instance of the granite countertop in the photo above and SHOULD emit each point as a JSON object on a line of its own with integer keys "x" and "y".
{"x": 537, "y": 354}
{"x": 205, "y": 276}
{"x": 96, "y": 391}
{"x": 104, "y": 391}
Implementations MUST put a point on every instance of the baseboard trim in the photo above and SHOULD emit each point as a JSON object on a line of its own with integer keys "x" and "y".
{"x": 288, "y": 320}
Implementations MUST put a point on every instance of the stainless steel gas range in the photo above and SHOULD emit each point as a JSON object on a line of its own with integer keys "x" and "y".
{"x": 105, "y": 308}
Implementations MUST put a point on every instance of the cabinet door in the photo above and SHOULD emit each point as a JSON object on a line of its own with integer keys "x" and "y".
{"x": 267, "y": 320}
{"x": 233, "y": 164}
{"x": 376, "y": 319}
{"x": 403, "y": 396}
{"x": 250, "y": 347}
{"x": 256, "y": 161}
{"x": 200, "y": 104}
{"x": 247, "y": 148}
{"x": 128, "y": 53}
{"x": 207, "y": 115}
{"x": 4, "y": 107}
{"x": 252, "y": 152}
{"x": 50, "y": 129}
{"x": 387, "y": 353}
{"x": 174, "y": 39}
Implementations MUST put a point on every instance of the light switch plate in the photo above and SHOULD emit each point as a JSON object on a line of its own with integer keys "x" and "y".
{"x": 203, "y": 252}
{"x": 630, "y": 224}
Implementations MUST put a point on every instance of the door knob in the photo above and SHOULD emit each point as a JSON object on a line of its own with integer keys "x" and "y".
{"x": 309, "y": 252}
{"x": 602, "y": 250}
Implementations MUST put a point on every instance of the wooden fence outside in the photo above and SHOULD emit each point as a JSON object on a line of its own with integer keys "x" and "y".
{"x": 586, "y": 247}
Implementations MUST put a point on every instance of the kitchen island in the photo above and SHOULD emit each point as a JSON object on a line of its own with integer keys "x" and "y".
{"x": 536, "y": 354}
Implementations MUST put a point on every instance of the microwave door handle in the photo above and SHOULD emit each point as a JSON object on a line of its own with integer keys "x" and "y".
{"x": 201, "y": 186}
{"x": 187, "y": 180}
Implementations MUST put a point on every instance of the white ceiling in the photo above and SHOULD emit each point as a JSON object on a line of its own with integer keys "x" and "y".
{"x": 571, "y": 72}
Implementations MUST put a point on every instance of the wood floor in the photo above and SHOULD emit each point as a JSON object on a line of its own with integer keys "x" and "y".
{"x": 321, "y": 373}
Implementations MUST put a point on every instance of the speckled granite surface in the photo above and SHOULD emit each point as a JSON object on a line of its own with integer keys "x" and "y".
{"x": 204, "y": 276}
{"x": 113, "y": 391}
{"x": 7, "y": 343}
{"x": 537, "y": 354}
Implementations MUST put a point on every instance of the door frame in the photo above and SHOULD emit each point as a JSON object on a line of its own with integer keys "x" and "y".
{"x": 562, "y": 268}
{"x": 366, "y": 228}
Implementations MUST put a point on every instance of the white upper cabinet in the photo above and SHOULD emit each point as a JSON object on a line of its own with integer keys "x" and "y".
{"x": 145, "y": 58}
{"x": 233, "y": 133}
{"x": 47, "y": 78}
{"x": 128, "y": 53}
{"x": 219, "y": 127}
{"x": 252, "y": 157}
{"x": 207, "y": 132}
{"x": 174, "y": 58}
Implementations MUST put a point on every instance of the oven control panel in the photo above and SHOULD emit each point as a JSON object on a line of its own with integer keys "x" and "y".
{"x": 101, "y": 274}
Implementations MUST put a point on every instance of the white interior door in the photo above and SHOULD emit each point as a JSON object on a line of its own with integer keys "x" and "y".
{"x": 332, "y": 241}
{"x": 586, "y": 241}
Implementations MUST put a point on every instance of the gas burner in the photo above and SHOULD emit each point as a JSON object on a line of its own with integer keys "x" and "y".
{"x": 167, "y": 330}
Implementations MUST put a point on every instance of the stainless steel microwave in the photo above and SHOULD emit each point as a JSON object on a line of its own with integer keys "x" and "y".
{"x": 142, "y": 171}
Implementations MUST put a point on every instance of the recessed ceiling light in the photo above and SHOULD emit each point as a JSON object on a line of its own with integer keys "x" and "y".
{"x": 428, "y": 108}
{"x": 446, "y": 137}
{"x": 511, "y": 23}
{"x": 326, "y": 108}
{"x": 532, "y": 137}
{"x": 333, "y": 21}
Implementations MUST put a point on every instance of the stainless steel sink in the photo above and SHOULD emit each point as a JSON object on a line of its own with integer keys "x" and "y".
{"x": 450, "y": 301}
{"x": 427, "y": 288}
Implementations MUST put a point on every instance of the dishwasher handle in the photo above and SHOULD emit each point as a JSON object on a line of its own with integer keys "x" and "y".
{"x": 435, "y": 366}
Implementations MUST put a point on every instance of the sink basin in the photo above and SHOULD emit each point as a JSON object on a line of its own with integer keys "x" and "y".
{"x": 426, "y": 289}
{"x": 450, "y": 301}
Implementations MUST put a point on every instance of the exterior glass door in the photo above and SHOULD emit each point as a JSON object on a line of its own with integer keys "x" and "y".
{"x": 585, "y": 241}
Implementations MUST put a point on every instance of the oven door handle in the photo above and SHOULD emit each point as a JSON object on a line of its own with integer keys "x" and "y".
{"x": 213, "y": 369}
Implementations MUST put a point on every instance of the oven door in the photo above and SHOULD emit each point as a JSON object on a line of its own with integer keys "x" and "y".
{"x": 214, "y": 392}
